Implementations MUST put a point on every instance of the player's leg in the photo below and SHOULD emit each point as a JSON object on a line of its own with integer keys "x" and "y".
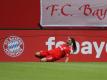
{"x": 43, "y": 59}
{"x": 48, "y": 58}
{"x": 41, "y": 54}
{"x": 37, "y": 54}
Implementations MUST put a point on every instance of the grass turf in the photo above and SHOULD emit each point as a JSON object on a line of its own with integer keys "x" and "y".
{"x": 53, "y": 71}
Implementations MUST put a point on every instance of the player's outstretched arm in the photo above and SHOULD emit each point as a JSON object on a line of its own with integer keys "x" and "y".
{"x": 67, "y": 59}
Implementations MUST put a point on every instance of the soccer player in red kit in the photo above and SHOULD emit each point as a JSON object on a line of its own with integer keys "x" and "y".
{"x": 58, "y": 53}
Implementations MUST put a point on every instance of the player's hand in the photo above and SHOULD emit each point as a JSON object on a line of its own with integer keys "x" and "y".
{"x": 67, "y": 59}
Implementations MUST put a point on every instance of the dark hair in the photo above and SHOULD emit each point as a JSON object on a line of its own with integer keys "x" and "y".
{"x": 74, "y": 44}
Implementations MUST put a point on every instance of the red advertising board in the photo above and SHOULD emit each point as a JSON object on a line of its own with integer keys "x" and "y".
{"x": 20, "y": 46}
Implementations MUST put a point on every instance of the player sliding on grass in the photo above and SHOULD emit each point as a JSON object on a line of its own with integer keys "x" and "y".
{"x": 55, "y": 54}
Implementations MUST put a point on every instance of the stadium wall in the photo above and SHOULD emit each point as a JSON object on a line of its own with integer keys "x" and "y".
{"x": 20, "y": 46}
{"x": 19, "y": 14}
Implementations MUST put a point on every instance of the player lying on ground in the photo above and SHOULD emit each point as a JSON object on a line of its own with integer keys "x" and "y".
{"x": 55, "y": 54}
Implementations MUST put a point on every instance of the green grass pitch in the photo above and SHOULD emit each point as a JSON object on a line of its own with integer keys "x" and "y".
{"x": 53, "y": 71}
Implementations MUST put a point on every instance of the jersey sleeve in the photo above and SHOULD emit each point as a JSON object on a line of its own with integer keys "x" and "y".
{"x": 67, "y": 55}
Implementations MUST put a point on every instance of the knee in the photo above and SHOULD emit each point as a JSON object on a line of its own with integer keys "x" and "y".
{"x": 37, "y": 54}
{"x": 43, "y": 60}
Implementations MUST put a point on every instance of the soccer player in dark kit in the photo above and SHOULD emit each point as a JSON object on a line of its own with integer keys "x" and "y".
{"x": 55, "y": 54}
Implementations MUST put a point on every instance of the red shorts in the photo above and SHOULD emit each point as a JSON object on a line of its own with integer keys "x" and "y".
{"x": 50, "y": 56}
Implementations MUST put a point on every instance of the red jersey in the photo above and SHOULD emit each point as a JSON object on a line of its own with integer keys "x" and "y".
{"x": 61, "y": 51}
